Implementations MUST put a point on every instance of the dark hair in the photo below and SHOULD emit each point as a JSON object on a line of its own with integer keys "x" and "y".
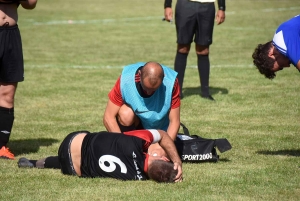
{"x": 262, "y": 61}
{"x": 162, "y": 171}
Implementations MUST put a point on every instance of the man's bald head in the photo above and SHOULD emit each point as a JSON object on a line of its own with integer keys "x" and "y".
{"x": 152, "y": 75}
{"x": 153, "y": 72}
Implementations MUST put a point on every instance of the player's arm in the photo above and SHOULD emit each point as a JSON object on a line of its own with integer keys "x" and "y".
{"x": 164, "y": 140}
{"x": 220, "y": 16}
{"x": 112, "y": 108}
{"x": 168, "y": 145}
{"x": 174, "y": 117}
{"x": 28, "y": 4}
{"x": 168, "y": 10}
{"x": 109, "y": 117}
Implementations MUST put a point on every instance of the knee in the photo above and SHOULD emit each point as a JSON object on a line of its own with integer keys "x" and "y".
{"x": 202, "y": 50}
{"x": 7, "y": 94}
{"x": 126, "y": 116}
{"x": 183, "y": 49}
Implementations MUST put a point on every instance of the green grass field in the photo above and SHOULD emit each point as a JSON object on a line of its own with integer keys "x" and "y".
{"x": 75, "y": 50}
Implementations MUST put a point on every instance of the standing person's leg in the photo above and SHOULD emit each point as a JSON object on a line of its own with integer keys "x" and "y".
{"x": 204, "y": 70}
{"x": 185, "y": 26}
{"x": 203, "y": 39}
{"x": 180, "y": 64}
{"x": 7, "y": 93}
{"x": 11, "y": 72}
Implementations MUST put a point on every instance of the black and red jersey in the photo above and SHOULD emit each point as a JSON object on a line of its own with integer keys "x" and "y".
{"x": 115, "y": 155}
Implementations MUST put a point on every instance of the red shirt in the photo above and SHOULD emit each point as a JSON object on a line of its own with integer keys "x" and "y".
{"x": 115, "y": 94}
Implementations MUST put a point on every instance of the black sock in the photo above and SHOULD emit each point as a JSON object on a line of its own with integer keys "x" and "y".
{"x": 49, "y": 162}
{"x": 203, "y": 69}
{"x": 33, "y": 162}
{"x": 179, "y": 67}
{"x": 52, "y": 162}
{"x": 6, "y": 123}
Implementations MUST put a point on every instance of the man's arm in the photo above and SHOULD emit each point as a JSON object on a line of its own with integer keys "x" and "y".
{"x": 220, "y": 16}
{"x": 28, "y": 4}
{"x": 174, "y": 117}
{"x": 168, "y": 145}
{"x": 109, "y": 117}
{"x": 172, "y": 131}
{"x": 168, "y": 10}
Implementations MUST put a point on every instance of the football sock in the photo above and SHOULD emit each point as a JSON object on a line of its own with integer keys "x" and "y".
{"x": 6, "y": 123}
{"x": 52, "y": 162}
{"x": 179, "y": 67}
{"x": 49, "y": 162}
{"x": 34, "y": 163}
{"x": 203, "y": 69}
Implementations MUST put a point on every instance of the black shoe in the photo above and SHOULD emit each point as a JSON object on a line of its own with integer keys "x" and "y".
{"x": 208, "y": 97}
{"x": 25, "y": 163}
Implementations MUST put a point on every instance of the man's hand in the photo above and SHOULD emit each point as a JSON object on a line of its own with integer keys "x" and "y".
{"x": 168, "y": 145}
{"x": 220, "y": 17}
{"x": 168, "y": 14}
{"x": 178, "y": 167}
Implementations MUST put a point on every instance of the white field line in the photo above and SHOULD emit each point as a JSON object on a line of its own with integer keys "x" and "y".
{"x": 107, "y": 21}
{"x": 120, "y": 67}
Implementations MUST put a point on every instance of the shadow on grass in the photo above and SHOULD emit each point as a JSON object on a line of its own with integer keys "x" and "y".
{"x": 27, "y": 146}
{"x": 286, "y": 152}
{"x": 224, "y": 159}
{"x": 189, "y": 91}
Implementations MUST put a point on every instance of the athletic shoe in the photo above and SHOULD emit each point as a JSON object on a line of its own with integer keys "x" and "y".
{"x": 6, "y": 154}
{"x": 25, "y": 163}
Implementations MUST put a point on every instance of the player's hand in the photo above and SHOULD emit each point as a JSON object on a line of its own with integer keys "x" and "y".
{"x": 220, "y": 17}
{"x": 178, "y": 167}
{"x": 168, "y": 14}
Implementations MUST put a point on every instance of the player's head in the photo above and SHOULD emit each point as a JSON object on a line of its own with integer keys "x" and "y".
{"x": 162, "y": 171}
{"x": 152, "y": 75}
{"x": 268, "y": 60}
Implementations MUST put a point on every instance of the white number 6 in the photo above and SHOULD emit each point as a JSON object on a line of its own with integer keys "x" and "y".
{"x": 112, "y": 166}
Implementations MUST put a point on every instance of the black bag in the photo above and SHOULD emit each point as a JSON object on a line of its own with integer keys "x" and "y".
{"x": 193, "y": 148}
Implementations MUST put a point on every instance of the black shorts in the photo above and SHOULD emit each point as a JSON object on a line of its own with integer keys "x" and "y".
{"x": 194, "y": 20}
{"x": 11, "y": 55}
{"x": 64, "y": 154}
{"x": 129, "y": 128}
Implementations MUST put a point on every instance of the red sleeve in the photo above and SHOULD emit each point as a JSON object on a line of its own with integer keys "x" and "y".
{"x": 115, "y": 94}
{"x": 175, "y": 95}
{"x": 143, "y": 134}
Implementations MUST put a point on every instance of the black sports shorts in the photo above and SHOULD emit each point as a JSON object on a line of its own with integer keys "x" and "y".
{"x": 11, "y": 55}
{"x": 194, "y": 20}
{"x": 129, "y": 128}
{"x": 64, "y": 154}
